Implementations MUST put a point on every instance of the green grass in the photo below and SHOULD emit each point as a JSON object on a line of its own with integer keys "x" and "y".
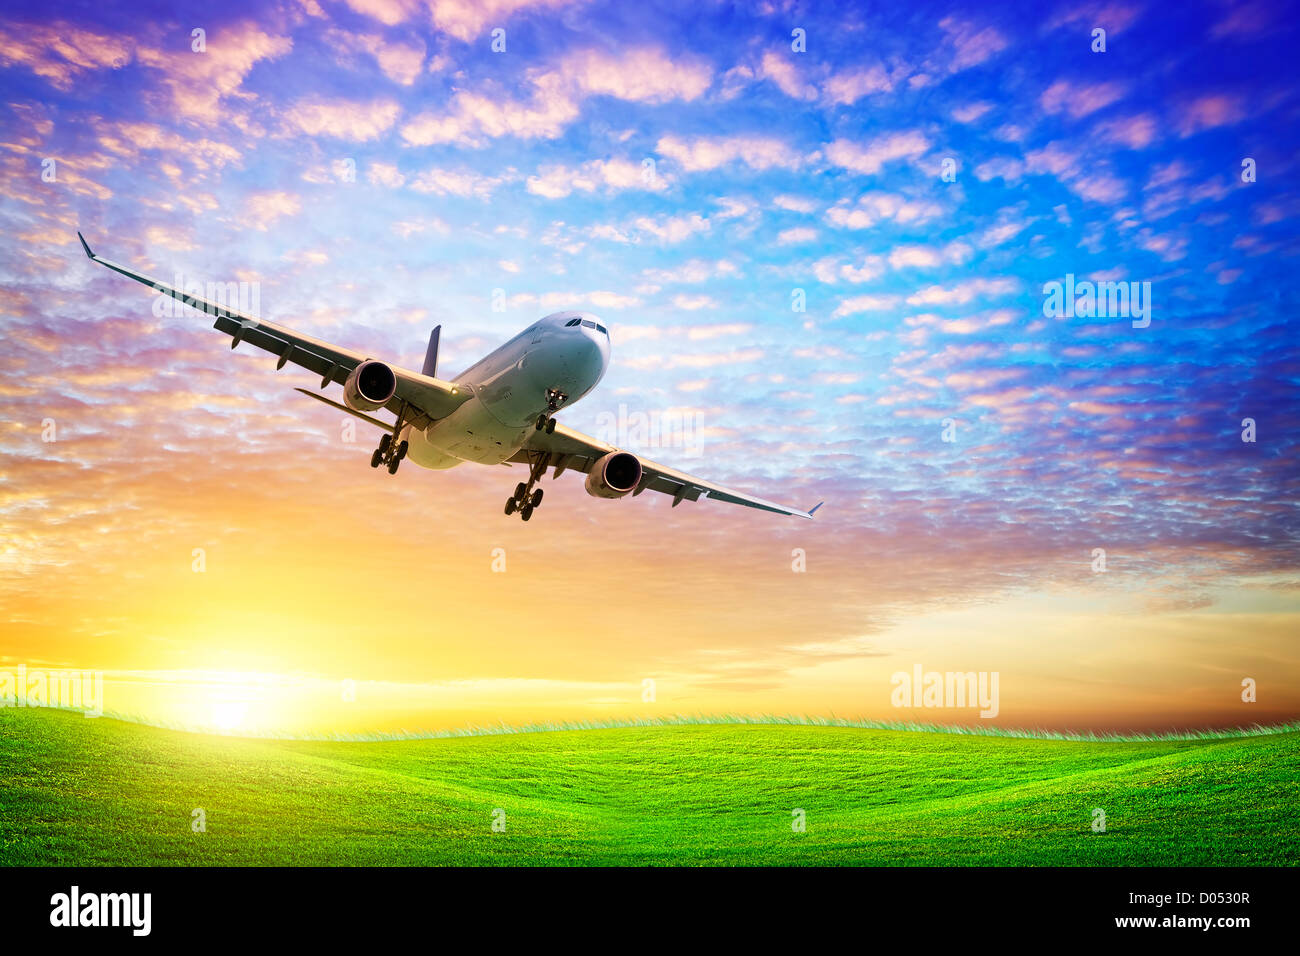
{"x": 105, "y": 792}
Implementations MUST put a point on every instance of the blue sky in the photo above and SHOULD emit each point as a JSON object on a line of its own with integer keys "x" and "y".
{"x": 379, "y": 169}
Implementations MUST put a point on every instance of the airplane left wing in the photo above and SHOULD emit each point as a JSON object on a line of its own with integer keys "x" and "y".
{"x": 569, "y": 448}
{"x": 421, "y": 399}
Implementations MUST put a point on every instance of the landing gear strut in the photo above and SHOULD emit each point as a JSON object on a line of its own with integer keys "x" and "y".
{"x": 390, "y": 451}
{"x": 526, "y": 499}
{"x": 554, "y": 399}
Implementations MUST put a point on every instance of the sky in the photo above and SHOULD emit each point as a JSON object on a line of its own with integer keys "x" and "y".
{"x": 823, "y": 238}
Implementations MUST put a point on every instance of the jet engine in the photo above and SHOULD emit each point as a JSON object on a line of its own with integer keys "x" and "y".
{"x": 614, "y": 475}
{"x": 371, "y": 385}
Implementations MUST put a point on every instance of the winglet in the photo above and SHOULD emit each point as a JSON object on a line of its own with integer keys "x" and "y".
{"x": 85, "y": 245}
{"x": 813, "y": 510}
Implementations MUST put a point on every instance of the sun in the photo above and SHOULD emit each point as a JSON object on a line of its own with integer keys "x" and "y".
{"x": 228, "y": 714}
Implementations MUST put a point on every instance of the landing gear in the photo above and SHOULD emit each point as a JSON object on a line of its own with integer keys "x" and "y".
{"x": 554, "y": 399}
{"x": 390, "y": 451}
{"x": 527, "y": 499}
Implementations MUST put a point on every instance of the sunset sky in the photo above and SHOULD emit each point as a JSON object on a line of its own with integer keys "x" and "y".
{"x": 377, "y": 169}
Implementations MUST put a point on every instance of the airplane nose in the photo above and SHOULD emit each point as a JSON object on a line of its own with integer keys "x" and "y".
{"x": 587, "y": 360}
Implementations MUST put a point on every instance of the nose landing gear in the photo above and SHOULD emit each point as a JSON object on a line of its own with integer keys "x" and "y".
{"x": 554, "y": 399}
{"x": 526, "y": 499}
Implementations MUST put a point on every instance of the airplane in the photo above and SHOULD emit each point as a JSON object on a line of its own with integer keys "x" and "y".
{"x": 500, "y": 410}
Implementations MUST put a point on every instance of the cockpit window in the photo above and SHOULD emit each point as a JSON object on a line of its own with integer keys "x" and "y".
{"x": 571, "y": 323}
{"x": 588, "y": 324}
{"x": 601, "y": 328}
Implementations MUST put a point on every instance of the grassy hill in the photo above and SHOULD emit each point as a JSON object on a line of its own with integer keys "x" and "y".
{"x": 105, "y": 792}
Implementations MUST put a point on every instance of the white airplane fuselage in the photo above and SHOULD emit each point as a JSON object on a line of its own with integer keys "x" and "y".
{"x": 510, "y": 390}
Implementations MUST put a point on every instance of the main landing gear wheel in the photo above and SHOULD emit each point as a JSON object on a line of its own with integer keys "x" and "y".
{"x": 390, "y": 451}
{"x": 526, "y": 498}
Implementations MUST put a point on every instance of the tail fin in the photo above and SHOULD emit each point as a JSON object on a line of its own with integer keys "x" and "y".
{"x": 431, "y": 354}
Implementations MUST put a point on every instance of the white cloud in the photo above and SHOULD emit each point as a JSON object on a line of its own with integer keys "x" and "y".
{"x": 613, "y": 175}
{"x": 704, "y": 153}
{"x": 800, "y": 234}
{"x": 450, "y": 182}
{"x": 869, "y": 158}
{"x": 963, "y": 292}
{"x": 873, "y": 208}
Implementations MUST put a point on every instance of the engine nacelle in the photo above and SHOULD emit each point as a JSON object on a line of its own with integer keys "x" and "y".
{"x": 614, "y": 475}
{"x": 371, "y": 385}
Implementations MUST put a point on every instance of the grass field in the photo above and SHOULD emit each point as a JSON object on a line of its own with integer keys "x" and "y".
{"x": 104, "y": 792}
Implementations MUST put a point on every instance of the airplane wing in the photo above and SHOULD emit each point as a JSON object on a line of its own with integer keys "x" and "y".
{"x": 571, "y": 449}
{"x": 420, "y": 398}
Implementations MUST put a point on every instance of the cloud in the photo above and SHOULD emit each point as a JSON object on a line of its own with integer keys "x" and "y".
{"x": 673, "y": 228}
{"x": 1078, "y": 100}
{"x": 646, "y": 75}
{"x": 963, "y": 292}
{"x": 642, "y": 75}
{"x": 264, "y": 209}
{"x": 797, "y": 235}
{"x": 869, "y": 158}
{"x": 705, "y": 153}
{"x": 788, "y": 75}
{"x": 865, "y": 303}
{"x": 473, "y": 118}
{"x": 1000, "y": 167}
{"x": 202, "y": 84}
{"x": 876, "y": 207}
{"x": 693, "y": 271}
{"x": 613, "y": 175}
{"x": 388, "y": 12}
{"x": 1135, "y": 132}
{"x": 402, "y": 62}
{"x": 692, "y": 303}
{"x": 60, "y": 51}
{"x": 956, "y": 252}
{"x": 795, "y": 203}
{"x": 1208, "y": 112}
{"x": 971, "y": 111}
{"x": 456, "y": 182}
{"x": 467, "y": 19}
{"x": 972, "y": 44}
{"x": 342, "y": 119}
{"x": 847, "y": 88}
{"x": 385, "y": 174}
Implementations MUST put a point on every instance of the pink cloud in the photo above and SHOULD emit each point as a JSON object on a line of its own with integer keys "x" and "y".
{"x": 1207, "y": 112}
{"x": 1079, "y": 101}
